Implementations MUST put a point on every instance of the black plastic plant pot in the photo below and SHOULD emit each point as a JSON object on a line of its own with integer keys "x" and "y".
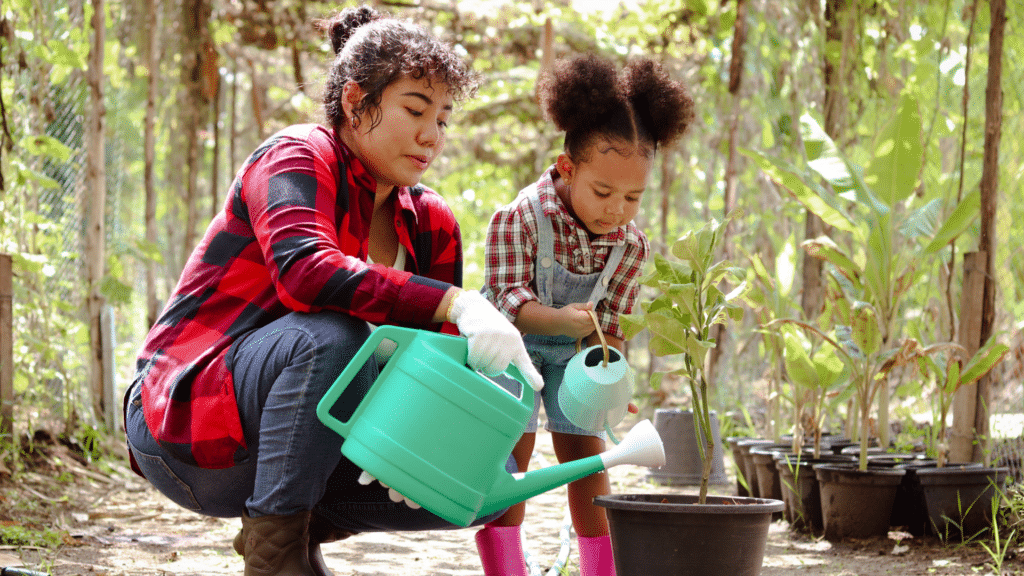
{"x": 959, "y": 498}
{"x": 800, "y": 490}
{"x": 856, "y": 503}
{"x": 673, "y": 535}
{"x": 742, "y": 486}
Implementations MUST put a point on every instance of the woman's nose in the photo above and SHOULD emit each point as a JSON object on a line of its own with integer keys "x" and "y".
{"x": 429, "y": 134}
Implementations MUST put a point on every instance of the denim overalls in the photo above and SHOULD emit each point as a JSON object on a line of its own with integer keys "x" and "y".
{"x": 556, "y": 287}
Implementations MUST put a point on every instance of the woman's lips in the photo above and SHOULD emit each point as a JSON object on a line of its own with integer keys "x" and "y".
{"x": 420, "y": 161}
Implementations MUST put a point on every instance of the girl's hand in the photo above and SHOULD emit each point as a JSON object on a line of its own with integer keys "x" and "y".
{"x": 575, "y": 320}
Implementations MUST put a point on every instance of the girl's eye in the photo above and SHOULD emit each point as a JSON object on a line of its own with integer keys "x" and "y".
{"x": 415, "y": 113}
{"x": 601, "y": 194}
{"x": 632, "y": 198}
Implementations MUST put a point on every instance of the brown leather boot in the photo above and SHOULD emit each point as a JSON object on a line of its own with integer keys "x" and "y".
{"x": 277, "y": 545}
{"x": 321, "y": 531}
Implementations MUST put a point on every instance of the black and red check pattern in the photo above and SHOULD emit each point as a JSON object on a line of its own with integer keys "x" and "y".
{"x": 293, "y": 236}
{"x": 511, "y": 253}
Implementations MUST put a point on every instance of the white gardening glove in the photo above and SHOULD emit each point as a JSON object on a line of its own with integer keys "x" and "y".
{"x": 365, "y": 478}
{"x": 494, "y": 342}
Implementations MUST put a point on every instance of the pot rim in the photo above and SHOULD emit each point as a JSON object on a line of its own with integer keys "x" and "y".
{"x": 854, "y": 468}
{"x": 714, "y": 504}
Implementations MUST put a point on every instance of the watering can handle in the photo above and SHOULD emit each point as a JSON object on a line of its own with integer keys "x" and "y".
{"x": 600, "y": 334}
{"x": 401, "y": 336}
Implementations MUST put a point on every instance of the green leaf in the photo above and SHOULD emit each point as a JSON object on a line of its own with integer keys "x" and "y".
{"x": 798, "y": 364}
{"x": 62, "y": 55}
{"x": 865, "y": 332}
{"x": 41, "y": 145}
{"x": 824, "y": 248}
{"x": 785, "y": 266}
{"x": 898, "y": 155}
{"x": 922, "y": 221}
{"x": 631, "y": 324}
{"x": 961, "y": 218}
{"x": 802, "y": 192}
{"x": 983, "y": 360}
{"x": 668, "y": 335}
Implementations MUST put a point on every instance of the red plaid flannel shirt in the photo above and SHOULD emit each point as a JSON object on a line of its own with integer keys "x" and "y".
{"x": 512, "y": 248}
{"x": 293, "y": 236}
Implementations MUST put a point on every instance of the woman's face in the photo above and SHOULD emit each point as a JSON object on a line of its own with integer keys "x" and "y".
{"x": 409, "y": 133}
{"x": 604, "y": 192}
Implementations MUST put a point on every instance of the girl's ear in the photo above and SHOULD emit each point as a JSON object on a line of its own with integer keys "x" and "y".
{"x": 565, "y": 167}
{"x": 351, "y": 95}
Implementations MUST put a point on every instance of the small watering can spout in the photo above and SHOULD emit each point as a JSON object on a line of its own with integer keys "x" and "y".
{"x": 642, "y": 447}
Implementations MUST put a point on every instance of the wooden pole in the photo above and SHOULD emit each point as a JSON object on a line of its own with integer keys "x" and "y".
{"x": 6, "y": 349}
{"x": 965, "y": 401}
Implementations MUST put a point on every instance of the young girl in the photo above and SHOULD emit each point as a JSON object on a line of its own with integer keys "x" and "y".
{"x": 568, "y": 245}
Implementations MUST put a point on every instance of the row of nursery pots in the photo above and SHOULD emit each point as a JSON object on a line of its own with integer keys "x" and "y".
{"x": 830, "y": 496}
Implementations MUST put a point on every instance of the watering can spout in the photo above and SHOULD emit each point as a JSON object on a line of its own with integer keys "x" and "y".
{"x": 642, "y": 447}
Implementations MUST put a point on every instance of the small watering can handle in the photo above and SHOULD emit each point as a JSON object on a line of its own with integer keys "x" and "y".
{"x": 600, "y": 334}
{"x": 401, "y": 336}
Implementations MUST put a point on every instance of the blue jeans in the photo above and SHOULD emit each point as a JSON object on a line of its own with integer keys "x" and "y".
{"x": 281, "y": 371}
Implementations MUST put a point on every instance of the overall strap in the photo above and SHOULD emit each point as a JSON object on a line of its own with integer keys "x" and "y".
{"x": 610, "y": 265}
{"x": 544, "y": 262}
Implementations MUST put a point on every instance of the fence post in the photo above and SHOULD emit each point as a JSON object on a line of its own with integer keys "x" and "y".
{"x": 6, "y": 348}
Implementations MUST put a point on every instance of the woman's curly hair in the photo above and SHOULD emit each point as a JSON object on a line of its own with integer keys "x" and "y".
{"x": 589, "y": 99}
{"x": 375, "y": 49}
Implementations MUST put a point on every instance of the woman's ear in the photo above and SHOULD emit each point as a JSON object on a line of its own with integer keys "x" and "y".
{"x": 565, "y": 167}
{"x": 351, "y": 95}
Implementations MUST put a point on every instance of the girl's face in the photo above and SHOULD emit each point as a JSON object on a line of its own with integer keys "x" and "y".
{"x": 604, "y": 192}
{"x": 409, "y": 133}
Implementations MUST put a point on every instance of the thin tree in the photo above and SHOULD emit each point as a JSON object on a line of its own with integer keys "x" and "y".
{"x": 93, "y": 207}
{"x": 975, "y": 445}
{"x": 152, "y": 85}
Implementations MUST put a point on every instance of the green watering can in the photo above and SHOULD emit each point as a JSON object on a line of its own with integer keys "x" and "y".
{"x": 440, "y": 433}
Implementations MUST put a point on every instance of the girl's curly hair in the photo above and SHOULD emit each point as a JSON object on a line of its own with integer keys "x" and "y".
{"x": 375, "y": 49}
{"x": 589, "y": 99}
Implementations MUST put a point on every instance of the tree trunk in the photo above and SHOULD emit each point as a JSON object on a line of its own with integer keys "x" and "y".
{"x": 6, "y": 347}
{"x": 93, "y": 207}
{"x": 197, "y": 60}
{"x": 987, "y": 238}
{"x": 735, "y": 81}
{"x": 153, "y": 62}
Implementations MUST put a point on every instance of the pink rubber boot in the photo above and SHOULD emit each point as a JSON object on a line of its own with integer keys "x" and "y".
{"x": 596, "y": 556}
{"x": 501, "y": 551}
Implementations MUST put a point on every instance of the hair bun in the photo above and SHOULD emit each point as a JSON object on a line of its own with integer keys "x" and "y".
{"x": 663, "y": 105}
{"x": 576, "y": 92}
{"x": 341, "y": 27}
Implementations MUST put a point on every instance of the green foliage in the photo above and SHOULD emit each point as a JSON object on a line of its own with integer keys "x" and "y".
{"x": 18, "y": 535}
{"x": 689, "y": 303}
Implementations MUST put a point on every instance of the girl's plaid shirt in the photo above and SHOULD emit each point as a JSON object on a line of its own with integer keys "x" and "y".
{"x": 512, "y": 249}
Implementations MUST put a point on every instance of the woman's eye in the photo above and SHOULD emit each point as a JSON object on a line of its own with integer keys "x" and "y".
{"x": 632, "y": 198}
{"x": 415, "y": 113}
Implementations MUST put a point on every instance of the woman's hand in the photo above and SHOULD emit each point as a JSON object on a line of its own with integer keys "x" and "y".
{"x": 494, "y": 342}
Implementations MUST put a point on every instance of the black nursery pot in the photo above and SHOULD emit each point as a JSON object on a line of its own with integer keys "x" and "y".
{"x": 959, "y": 498}
{"x": 800, "y": 489}
{"x": 673, "y": 535}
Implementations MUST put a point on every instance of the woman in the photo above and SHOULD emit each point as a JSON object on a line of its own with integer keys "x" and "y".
{"x": 325, "y": 230}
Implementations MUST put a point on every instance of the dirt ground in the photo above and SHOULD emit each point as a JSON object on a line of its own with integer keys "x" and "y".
{"x": 112, "y": 523}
